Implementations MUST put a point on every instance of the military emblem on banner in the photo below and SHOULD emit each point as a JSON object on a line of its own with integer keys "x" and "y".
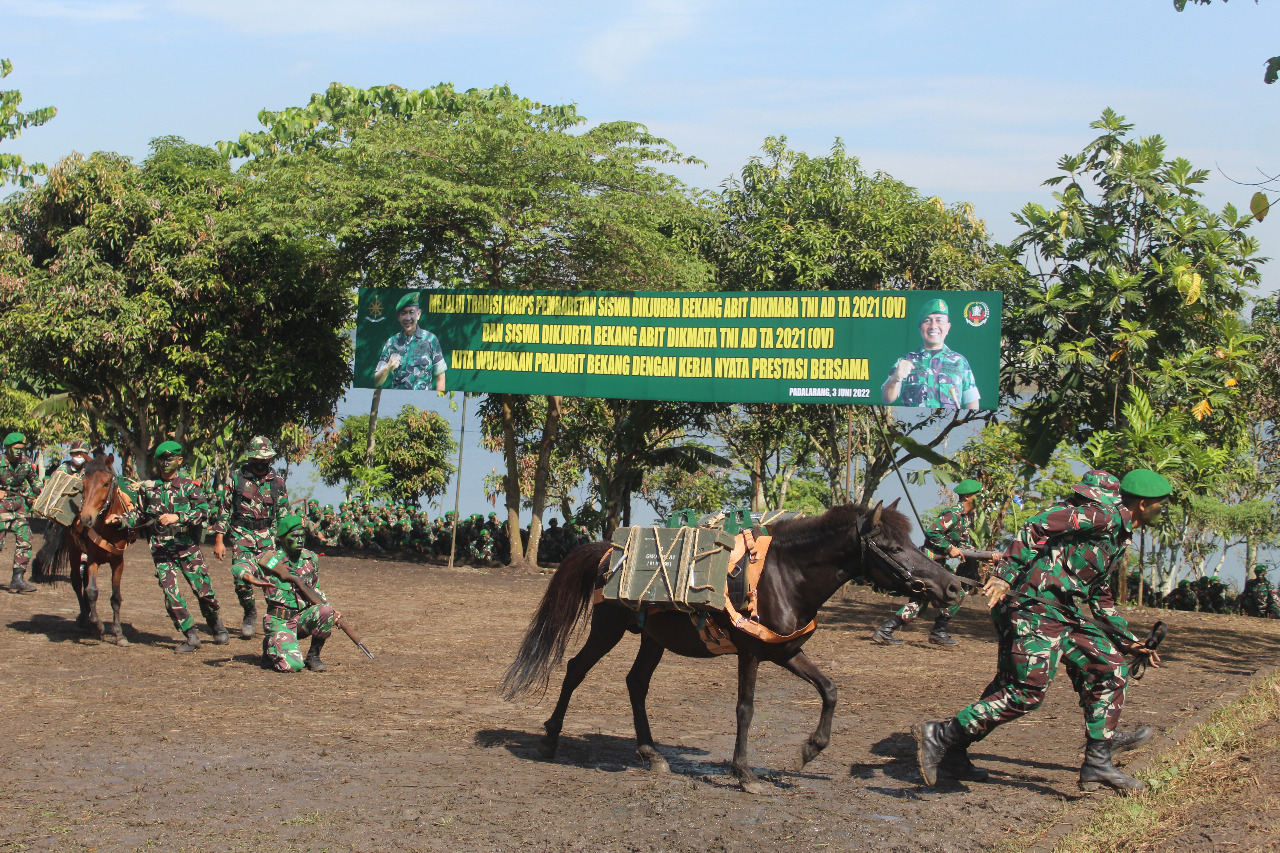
{"x": 976, "y": 313}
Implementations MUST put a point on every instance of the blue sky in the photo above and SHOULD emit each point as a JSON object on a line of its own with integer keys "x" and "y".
{"x": 970, "y": 101}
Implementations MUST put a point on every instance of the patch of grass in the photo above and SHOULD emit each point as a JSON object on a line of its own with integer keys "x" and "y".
{"x": 1206, "y": 767}
{"x": 305, "y": 819}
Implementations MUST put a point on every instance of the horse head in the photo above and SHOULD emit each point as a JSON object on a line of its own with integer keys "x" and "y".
{"x": 894, "y": 562}
{"x": 99, "y": 485}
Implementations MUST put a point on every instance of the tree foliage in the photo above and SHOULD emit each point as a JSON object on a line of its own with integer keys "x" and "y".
{"x": 13, "y": 169}
{"x": 122, "y": 289}
{"x": 411, "y": 456}
{"x": 1138, "y": 286}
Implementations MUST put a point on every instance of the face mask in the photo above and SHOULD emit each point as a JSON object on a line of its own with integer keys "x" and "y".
{"x": 77, "y": 461}
{"x": 259, "y": 467}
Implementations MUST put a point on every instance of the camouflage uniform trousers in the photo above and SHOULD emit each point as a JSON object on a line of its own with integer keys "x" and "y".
{"x": 190, "y": 563}
{"x": 1031, "y": 647}
{"x": 916, "y": 606}
{"x": 21, "y": 527}
{"x": 246, "y": 547}
{"x": 282, "y": 628}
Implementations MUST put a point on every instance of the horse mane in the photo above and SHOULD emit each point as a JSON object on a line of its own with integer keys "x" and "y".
{"x": 99, "y": 464}
{"x": 837, "y": 521}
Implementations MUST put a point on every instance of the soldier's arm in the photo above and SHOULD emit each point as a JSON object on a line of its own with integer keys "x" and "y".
{"x": 197, "y": 511}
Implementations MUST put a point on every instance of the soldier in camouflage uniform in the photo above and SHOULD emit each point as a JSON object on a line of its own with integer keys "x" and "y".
{"x": 1057, "y": 565}
{"x": 77, "y": 455}
{"x": 291, "y": 617}
{"x": 934, "y": 375}
{"x": 178, "y": 509}
{"x": 943, "y": 538}
{"x": 1259, "y": 598}
{"x": 411, "y": 359}
{"x": 1183, "y": 597}
{"x": 248, "y": 509}
{"x": 19, "y": 487}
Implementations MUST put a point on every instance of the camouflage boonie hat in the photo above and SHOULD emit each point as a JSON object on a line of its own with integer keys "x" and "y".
{"x": 260, "y": 448}
{"x": 78, "y": 446}
{"x": 1099, "y": 486}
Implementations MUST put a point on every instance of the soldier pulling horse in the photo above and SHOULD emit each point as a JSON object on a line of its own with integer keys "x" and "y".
{"x": 103, "y": 544}
{"x": 808, "y": 560}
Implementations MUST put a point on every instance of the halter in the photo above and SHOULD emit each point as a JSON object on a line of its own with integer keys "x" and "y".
{"x": 903, "y": 573}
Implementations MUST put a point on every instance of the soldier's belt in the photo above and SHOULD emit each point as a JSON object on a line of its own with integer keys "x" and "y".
{"x": 256, "y": 524}
{"x": 278, "y": 609}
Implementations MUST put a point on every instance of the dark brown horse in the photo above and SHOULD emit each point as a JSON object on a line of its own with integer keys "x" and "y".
{"x": 808, "y": 560}
{"x": 102, "y": 544}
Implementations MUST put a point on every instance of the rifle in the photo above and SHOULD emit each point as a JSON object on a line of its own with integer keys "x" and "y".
{"x": 281, "y": 571}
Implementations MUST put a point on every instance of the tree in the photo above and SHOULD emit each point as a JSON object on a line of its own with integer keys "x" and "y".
{"x": 123, "y": 288}
{"x": 1272, "y": 71}
{"x": 410, "y": 458}
{"x": 669, "y": 488}
{"x": 792, "y": 221}
{"x": 1138, "y": 287}
{"x": 12, "y": 122}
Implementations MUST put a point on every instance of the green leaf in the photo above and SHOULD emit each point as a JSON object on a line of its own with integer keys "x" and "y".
{"x": 1260, "y": 205}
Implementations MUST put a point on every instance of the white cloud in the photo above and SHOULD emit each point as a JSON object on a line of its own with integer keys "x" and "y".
{"x": 649, "y": 24}
{"x": 71, "y": 10}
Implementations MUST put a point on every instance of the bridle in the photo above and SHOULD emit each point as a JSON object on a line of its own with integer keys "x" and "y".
{"x": 112, "y": 488}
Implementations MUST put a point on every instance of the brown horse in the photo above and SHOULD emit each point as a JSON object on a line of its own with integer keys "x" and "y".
{"x": 101, "y": 543}
{"x": 808, "y": 561}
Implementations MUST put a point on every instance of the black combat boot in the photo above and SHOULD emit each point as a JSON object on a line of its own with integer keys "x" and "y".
{"x": 19, "y": 582}
{"x": 939, "y": 634}
{"x": 313, "y": 655}
{"x": 219, "y": 631}
{"x": 1098, "y": 770}
{"x": 248, "y": 623}
{"x": 884, "y": 634}
{"x": 192, "y": 642}
{"x": 935, "y": 742}
{"x": 1125, "y": 741}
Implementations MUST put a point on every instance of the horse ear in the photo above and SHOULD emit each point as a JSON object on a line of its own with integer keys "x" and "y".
{"x": 894, "y": 505}
{"x": 876, "y": 513}
{"x": 111, "y": 459}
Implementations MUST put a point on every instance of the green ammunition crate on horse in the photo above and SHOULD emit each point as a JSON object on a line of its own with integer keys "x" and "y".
{"x": 59, "y": 500}
{"x": 666, "y": 568}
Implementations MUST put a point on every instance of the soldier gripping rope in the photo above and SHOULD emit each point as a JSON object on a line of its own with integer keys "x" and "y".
{"x": 19, "y": 487}
{"x": 944, "y": 538}
{"x": 248, "y": 509}
{"x": 175, "y": 508}
{"x": 1059, "y": 564}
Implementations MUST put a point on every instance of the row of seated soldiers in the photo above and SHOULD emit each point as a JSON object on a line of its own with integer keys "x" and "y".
{"x": 364, "y": 525}
{"x": 1209, "y": 595}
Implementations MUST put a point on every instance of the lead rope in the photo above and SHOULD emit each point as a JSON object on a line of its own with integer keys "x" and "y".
{"x": 894, "y": 462}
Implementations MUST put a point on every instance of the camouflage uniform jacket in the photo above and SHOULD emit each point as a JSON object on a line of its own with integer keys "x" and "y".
{"x": 421, "y": 360}
{"x": 953, "y": 527}
{"x": 179, "y": 495}
{"x": 66, "y": 467}
{"x": 20, "y": 483}
{"x": 251, "y": 503}
{"x": 1060, "y": 563}
{"x": 1259, "y": 597}
{"x": 285, "y": 594}
{"x": 941, "y": 379}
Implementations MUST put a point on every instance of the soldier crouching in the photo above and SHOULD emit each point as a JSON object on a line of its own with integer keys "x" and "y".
{"x": 287, "y": 619}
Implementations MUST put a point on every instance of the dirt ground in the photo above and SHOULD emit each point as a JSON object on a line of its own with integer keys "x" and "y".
{"x": 107, "y": 748}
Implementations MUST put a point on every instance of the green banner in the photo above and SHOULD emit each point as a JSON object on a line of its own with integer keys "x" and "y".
{"x": 938, "y": 349}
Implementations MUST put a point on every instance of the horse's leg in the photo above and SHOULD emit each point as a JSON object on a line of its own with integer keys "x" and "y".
{"x": 78, "y": 585}
{"x": 607, "y": 627}
{"x": 638, "y": 689}
{"x": 806, "y": 669}
{"x": 748, "y": 669}
{"x": 91, "y": 596}
{"x": 117, "y": 573}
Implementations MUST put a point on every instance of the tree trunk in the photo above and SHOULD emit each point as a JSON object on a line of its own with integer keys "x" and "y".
{"x": 541, "y": 474}
{"x": 757, "y": 484}
{"x": 373, "y": 422}
{"x": 511, "y": 482}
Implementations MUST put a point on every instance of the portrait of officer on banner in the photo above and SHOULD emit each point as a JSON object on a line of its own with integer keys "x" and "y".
{"x": 411, "y": 360}
{"x": 934, "y": 376}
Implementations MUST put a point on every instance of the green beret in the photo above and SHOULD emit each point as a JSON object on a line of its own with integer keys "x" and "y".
{"x": 407, "y": 300}
{"x": 968, "y": 487}
{"x": 1144, "y": 483}
{"x": 287, "y": 523}
{"x": 14, "y": 438}
{"x": 1259, "y": 569}
{"x": 933, "y": 306}
{"x": 171, "y": 447}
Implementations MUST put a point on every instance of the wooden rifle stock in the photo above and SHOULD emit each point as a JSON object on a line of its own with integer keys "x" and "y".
{"x": 309, "y": 593}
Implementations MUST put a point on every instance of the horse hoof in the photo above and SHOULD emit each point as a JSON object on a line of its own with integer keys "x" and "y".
{"x": 547, "y": 752}
{"x": 753, "y": 786}
{"x": 657, "y": 764}
{"x": 122, "y": 642}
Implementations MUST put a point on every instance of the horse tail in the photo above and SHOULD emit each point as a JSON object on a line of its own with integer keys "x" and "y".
{"x": 563, "y": 609}
{"x": 52, "y": 562}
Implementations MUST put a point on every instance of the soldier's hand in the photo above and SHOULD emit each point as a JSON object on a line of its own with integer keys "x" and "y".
{"x": 219, "y": 550}
{"x": 167, "y": 518}
{"x": 954, "y": 552}
{"x": 903, "y": 369}
{"x": 393, "y": 362}
{"x": 1152, "y": 656}
{"x": 994, "y": 589}
{"x": 113, "y": 519}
